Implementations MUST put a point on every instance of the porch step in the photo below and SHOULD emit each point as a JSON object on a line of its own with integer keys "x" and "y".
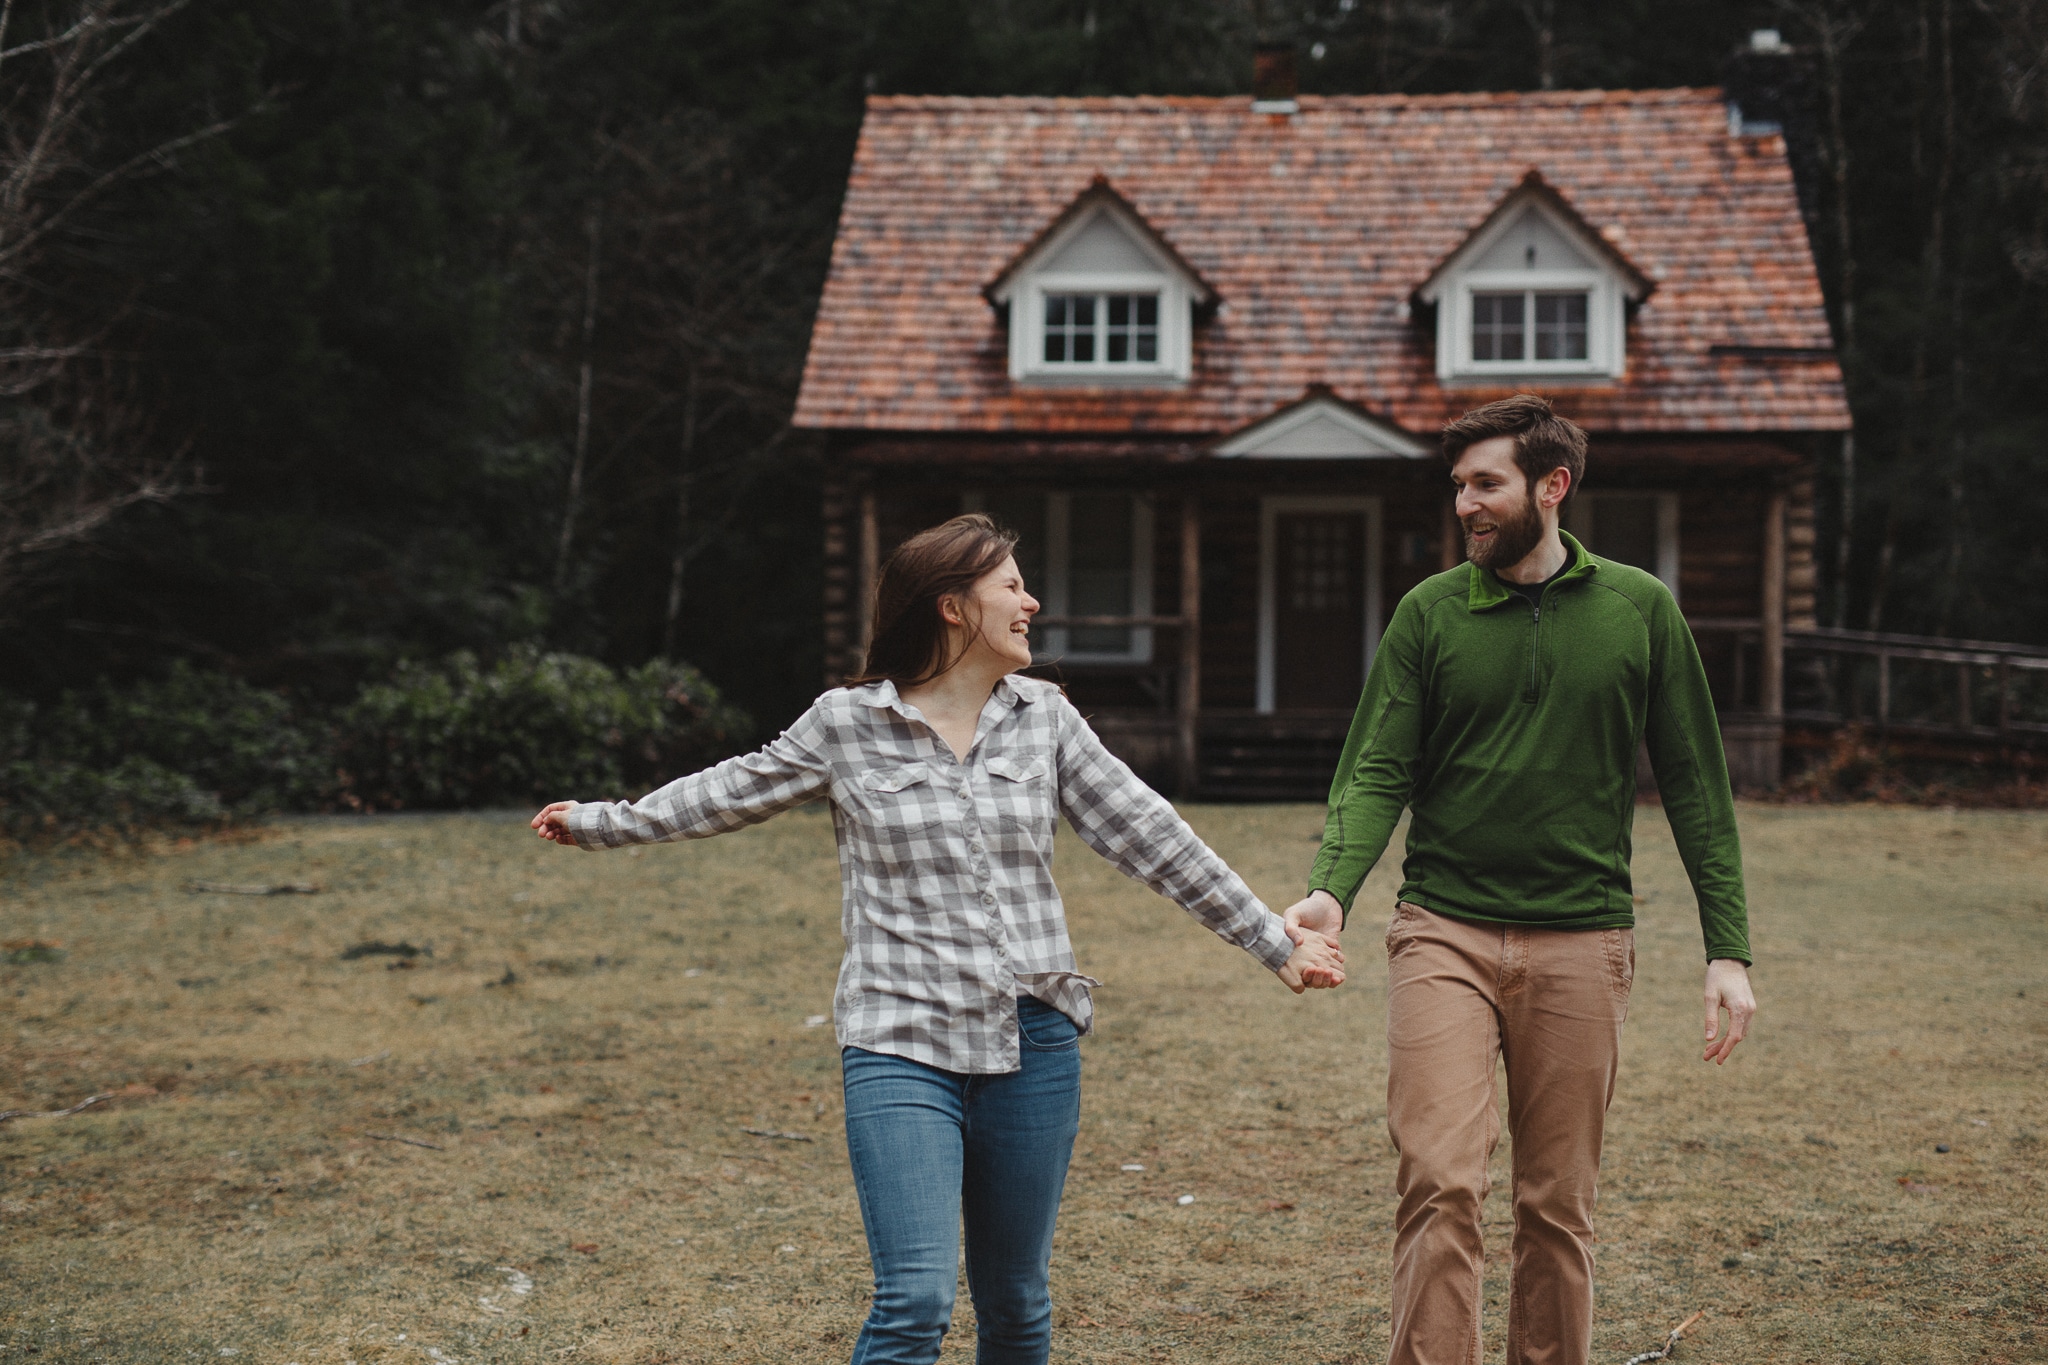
{"x": 1270, "y": 758}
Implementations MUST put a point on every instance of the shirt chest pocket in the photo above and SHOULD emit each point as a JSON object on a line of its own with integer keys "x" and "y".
{"x": 1020, "y": 794}
{"x": 902, "y": 799}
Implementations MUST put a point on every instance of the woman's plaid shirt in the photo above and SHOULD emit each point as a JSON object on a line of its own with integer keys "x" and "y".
{"x": 950, "y": 908}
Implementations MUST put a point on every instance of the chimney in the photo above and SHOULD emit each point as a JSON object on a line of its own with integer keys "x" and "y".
{"x": 1770, "y": 87}
{"x": 1273, "y": 84}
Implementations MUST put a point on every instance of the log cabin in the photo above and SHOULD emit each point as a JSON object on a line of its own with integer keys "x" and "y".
{"x": 1197, "y": 351}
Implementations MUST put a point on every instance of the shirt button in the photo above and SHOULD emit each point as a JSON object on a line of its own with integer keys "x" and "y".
{"x": 988, "y": 898}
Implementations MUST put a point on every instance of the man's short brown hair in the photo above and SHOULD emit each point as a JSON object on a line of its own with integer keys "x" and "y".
{"x": 1543, "y": 440}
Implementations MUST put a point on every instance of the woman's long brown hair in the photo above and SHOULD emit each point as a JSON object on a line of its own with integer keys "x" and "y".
{"x": 909, "y": 644}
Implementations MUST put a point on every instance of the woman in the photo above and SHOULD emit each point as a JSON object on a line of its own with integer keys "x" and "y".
{"x": 959, "y": 1012}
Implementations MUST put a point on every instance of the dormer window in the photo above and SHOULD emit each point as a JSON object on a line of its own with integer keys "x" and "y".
{"x": 1099, "y": 297}
{"x": 1110, "y": 329}
{"x": 1535, "y": 291}
{"x": 1530, "y": 324}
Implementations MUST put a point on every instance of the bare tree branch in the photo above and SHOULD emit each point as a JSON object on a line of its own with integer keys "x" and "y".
{"x": 77, "y": 447}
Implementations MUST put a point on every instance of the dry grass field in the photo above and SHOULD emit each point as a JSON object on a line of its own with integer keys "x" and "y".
{"x": 572, "y": 1069}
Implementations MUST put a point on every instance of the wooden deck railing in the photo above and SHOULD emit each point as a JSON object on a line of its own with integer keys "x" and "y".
{"x": 1856, "y": 662}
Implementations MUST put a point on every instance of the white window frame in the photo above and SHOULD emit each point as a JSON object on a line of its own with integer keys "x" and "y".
{"x": 1579, "y": 514}
{"x": 1266, "y": 695}
{"x": 1451, "y": 289}
{"x": 1050, "y": 645}
{"x": 1605, "y": 321}
{"x": 1174, "y": 310}
{"x": 1024, "y": 292}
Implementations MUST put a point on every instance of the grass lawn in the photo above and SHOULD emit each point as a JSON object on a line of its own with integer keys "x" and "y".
{"x": 575, "y": 1064}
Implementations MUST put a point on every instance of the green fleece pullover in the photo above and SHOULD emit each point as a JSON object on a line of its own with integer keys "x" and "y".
{"x": 1511, "y": 732}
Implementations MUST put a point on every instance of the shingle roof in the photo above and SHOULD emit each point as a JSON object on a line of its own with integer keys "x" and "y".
{"x": 1316, "y": 229}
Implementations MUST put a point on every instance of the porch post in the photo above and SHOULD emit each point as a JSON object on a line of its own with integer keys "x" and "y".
{"x": 1190, "y": 690}
{"x": 1771, "y": 667}
{"x": 870, "y": 566}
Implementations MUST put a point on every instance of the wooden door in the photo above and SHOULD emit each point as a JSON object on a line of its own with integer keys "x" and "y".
{"x": 1319, "y": 610}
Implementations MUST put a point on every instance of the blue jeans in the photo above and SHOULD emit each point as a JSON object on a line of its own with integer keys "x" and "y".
{"x": 931, "y": 1148}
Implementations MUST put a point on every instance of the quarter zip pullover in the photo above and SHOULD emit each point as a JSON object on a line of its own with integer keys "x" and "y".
{"x": 1521, "y": 774}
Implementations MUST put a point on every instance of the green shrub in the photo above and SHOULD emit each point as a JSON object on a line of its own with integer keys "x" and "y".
{"x": 191, "y": 748}
{"x": 528, "y": 728}
{"x": 246, "y": 746}
{"x": 200, "y": 748}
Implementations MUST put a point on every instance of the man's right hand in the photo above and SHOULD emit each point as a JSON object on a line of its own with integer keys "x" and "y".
{"x": 1318, "y": 911}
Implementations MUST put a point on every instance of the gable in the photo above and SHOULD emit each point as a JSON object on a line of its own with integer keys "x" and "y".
{"x": 1101, "y": 247}
{"x": 1532, "y": 242}
{"x": 1320, "y": 427}
{"x": 1534, "y": 216}
{"x": 1099, "y": 232}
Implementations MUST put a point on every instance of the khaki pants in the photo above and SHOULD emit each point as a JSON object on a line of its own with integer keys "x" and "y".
{"x": 1551, "y": 1003}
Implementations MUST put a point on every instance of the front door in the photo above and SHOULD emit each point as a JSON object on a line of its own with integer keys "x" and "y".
{"x": 1318, "y": 610}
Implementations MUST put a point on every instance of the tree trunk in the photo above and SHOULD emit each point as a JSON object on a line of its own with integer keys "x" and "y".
{"x": 582, "y": 451}
{"x": 679, "y": 559}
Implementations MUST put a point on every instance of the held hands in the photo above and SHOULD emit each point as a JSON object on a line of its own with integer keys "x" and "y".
{"x": 552, "y": 823}
{"x": 1313, "y": 925}
{"x": 1317, "y": 963}
{"x": 1727, "y": 989}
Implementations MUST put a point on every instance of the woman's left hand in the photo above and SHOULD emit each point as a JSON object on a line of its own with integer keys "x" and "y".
{"x": 553, "y": 822}
{"x": 1317, "y": 963}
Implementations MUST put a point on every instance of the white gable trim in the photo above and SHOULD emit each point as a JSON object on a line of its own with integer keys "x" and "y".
{"x": 1024, "y": 289}
{"x": 1607, "y": 288}
{"x": 1321, "y": 428}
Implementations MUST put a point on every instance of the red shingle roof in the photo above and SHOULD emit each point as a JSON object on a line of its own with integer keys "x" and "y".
{"x": 1316, "y": 229}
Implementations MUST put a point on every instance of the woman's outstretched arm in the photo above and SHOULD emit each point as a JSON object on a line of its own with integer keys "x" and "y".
{"x": 1143, "y": 836}
{"x": 744, "y": 790}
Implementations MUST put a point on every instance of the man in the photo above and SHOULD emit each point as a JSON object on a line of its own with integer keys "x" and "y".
{"x": 1504, "y": 707}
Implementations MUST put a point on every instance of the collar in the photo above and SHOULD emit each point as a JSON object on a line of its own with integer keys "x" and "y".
{"x": 1487, "y": 591}
{"x": 884, "y": 695}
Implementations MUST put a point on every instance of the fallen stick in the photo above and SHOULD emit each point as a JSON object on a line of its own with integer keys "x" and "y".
{"x": 1670, "y": 1342}
{"x": 772, "y": 1133}
{"x": 55, "y": 1113}
{"x": 254, "y": 888}
{"x": 410, "y": 1142}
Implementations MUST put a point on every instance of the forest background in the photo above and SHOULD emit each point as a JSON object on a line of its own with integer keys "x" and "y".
{"x": 345, "y": 333}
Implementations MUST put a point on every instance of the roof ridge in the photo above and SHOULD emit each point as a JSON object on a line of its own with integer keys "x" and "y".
{"x": 1683, "y": 94}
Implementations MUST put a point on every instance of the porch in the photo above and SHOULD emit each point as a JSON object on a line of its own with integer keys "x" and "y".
{"x": 1215, "y": 619}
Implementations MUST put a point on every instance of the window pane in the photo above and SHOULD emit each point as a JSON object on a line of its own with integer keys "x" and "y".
{"x": 1497, "y": 327}
{"x": 1319, "y": 558}
{"x": 1099, "y": 578}
{"x": 1560, "y": 326}
{"x": 1132, "y": 328}
{"x": 1069, "y": 327}
{"x": 1624, "y": 529}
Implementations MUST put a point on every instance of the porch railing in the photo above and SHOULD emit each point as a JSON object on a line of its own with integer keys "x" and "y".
{"x": 1977, "y": 690}
{"x": 2000, "y": 690}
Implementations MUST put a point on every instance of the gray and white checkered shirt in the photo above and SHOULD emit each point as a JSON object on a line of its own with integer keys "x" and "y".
{"x": 950, "y": 909}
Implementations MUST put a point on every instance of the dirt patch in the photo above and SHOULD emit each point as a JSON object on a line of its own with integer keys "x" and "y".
{"x": 429, "y": 1165}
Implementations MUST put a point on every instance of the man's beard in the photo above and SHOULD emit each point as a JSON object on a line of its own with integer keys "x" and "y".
{"x": 1512, "y": 539}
